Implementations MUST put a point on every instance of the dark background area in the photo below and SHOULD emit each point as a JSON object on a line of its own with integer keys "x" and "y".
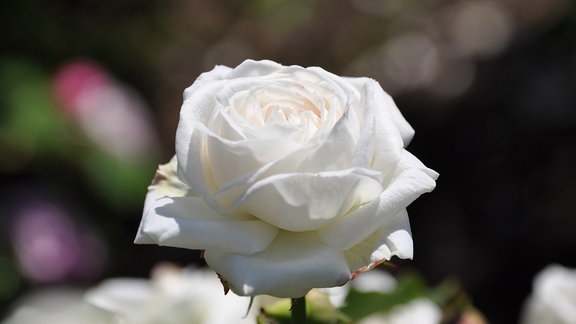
{"x": 489, "y": 86}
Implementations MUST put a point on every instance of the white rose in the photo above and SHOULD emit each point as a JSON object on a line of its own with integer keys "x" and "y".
{"x": 289, "y": 178}
{"x": 553, "y": 298}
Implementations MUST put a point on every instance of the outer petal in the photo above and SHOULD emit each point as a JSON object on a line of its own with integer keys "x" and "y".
{"x": 337, "y": 80}
{"x": 388, "y": 141}
{"x": 188, "y": 222}
{"x": 164, "y": 184}
{"x": 197, "y": 107}
{"x": 411, "y": 180}
{"x": 406, "y": 131}
{"x": 252, "y": 68}
{"x": 219, "y": 72}
{"x": 308, "y": 201}
{"x": 196, "y": 110}
{"x": 292, "y": 265}
{"x": 393, "y": 238}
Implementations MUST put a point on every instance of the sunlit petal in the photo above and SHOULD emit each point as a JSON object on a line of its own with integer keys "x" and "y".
{"x": 292, "y": 265}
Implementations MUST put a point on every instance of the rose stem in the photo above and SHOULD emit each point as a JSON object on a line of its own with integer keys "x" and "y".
{"x": 298, "y": 310}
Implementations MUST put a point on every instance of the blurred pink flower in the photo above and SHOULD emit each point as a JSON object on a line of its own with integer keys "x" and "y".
{"x": 50, "y": 247}
{"x": 111, "y": 114}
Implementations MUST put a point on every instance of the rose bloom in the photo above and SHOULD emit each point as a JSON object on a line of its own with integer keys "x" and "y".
{"x": 553, "y": 298}
{"x": 288, "y": 178}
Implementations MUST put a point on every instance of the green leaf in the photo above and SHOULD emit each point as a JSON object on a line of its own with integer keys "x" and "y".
{"x": 361, "y": 304}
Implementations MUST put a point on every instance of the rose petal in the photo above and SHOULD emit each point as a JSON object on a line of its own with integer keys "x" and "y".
{"x": 204, "y": 104}
{"x": 188, "y": 222}
{"x": 234, "y": 189}
{"x": 225, "y": 126}
{"x": 406, "y": 131}
{"x": 196, "y": 110}
{"x": 388, "y": 142}
{"x": 308, "y": 201}
{"x": 164, "y": 184}
{"x": 301, "y": 159}
{"x": 363, "y": 155}
{"x": 250, "y": 122}
{"x": 308, "y": 159}
{"x": 251, "y": 68}
{"x": 337, "y": 82}
{"x": 411, "y": 180}
{"x": 219, "y": 72}
{"x": 292, "y": 265}
{"x": 395, "y": 239}
{"x": 337, "y": 149}
{"x": 358, "y": 256}
{"x": 246, "y": 156}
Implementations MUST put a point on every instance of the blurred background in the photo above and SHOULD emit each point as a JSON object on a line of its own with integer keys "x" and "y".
{"x": 90, "y": 93}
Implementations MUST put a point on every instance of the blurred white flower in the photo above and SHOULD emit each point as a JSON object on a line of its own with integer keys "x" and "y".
{"x": 375, "y": 281}
{"x": 173, "y": 296}
{"x": 553, "y": 298}
{"x": 371, "y": 281}
{"x": 56, "y": 305}
{"x": 418, "y": 311}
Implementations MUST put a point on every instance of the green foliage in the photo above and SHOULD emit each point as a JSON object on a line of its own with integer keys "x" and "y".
{"x": 30, "y": 122}
{"x": 361, "y": 304}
